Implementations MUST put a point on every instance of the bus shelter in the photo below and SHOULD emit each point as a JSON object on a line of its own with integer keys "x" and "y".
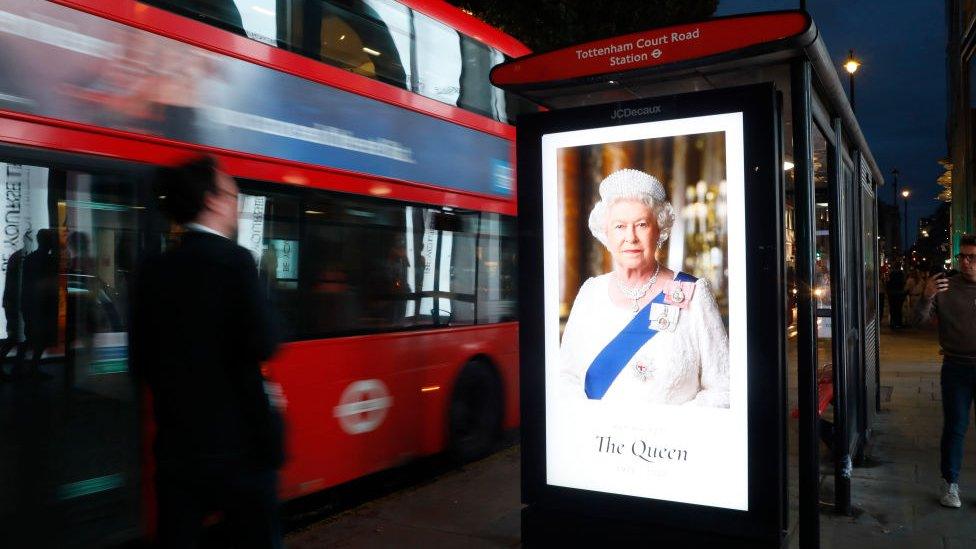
{"x": 825, "y": 280}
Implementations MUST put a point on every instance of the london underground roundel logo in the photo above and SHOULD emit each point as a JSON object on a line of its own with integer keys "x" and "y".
{"x": 363, "y": 406}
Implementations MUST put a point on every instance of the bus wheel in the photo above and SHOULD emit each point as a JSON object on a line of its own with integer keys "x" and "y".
{"x": 476, "y": 412}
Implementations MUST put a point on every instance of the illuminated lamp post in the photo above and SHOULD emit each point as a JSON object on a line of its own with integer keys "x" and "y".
{"x": 905, "y": 194}
{"x": 894, "y": 202}
{"x": 851, "y": 66}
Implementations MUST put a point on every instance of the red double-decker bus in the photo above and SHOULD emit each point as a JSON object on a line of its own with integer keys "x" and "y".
{"x": 375, "y": 162}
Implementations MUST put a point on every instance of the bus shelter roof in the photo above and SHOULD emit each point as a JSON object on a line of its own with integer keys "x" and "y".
{"x": 714, "y": 53}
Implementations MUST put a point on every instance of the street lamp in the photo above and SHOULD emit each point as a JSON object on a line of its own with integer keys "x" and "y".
{"x": 851, "y": 66}
{"x": 894, "y": 202}
{"x": 905, "y": 194}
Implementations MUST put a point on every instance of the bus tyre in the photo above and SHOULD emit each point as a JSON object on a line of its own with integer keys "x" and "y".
{"x": 475, "y": 413}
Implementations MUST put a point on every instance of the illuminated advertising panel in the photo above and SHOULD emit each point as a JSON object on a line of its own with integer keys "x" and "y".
{"x": 651, "y": 337}
{"x": 645, "y": 378}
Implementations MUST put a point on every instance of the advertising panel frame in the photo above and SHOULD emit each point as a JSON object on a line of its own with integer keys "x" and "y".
{"x": 764, "y": 520}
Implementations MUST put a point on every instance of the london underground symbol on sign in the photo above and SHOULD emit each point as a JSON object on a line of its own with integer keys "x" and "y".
{"x": 362, "y": 406}
{"x": 656, "y": 53}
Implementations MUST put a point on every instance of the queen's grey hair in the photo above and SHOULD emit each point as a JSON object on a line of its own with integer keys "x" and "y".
{"x": 632, "y": 185}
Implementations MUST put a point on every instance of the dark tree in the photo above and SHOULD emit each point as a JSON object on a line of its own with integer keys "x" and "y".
{"x": 545, "y": 25}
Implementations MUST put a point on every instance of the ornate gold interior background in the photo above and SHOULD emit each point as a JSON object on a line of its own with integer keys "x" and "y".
{"x": 692, "y": 169}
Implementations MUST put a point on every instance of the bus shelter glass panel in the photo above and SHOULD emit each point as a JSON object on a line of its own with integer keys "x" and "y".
{"x": 69, "y": 416}
{"x": 821, "y": 290}
{"x": 872, "y": 294}
{"x": 851, "y": 339}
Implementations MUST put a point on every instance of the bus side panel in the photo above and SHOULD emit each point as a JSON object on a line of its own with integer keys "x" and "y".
{"x": 448, "y": 352}
{"x": 352, "y": 408}
{"x": 359, "y": 405}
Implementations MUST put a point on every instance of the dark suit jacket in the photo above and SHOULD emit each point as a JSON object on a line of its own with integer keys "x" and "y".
{"x": 200, "y": 329}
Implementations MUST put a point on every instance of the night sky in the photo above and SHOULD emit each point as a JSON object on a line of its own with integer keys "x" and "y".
{"x": 900, "y": 90}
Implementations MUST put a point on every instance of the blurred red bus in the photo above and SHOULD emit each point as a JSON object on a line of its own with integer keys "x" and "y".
{"x": 375, "y": 163}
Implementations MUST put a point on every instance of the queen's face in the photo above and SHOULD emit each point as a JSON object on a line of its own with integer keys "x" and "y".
{"x": 632, "y": 234}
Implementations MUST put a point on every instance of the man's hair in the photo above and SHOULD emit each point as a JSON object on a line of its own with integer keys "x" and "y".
{"x": 182, "y": 188}
{"x": 967, "y": 240}
{"x": 46, "y": 239}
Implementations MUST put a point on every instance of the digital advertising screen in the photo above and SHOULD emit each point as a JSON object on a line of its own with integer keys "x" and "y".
{"x": 646, "y": 389}
{"x": 652, "y": 329}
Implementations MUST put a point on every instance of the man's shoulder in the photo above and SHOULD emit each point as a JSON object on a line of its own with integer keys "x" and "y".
{"x": 215, "y": 250}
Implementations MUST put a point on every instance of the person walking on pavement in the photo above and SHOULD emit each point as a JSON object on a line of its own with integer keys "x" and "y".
{"x": 896, "y": 296}
{"x": 200, "y": 329}
{"x": 951, "y": 299}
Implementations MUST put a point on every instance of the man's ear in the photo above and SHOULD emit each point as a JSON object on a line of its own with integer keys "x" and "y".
{"x": 210, "y": 200}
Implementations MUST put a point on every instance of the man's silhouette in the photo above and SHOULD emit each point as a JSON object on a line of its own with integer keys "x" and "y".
{"x": 39, "y": 301}
{"x": 200, "y": 329}
{"x": 12, "y": 290}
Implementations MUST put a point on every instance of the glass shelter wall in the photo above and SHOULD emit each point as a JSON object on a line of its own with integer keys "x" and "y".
{"x": 69, "y": 413}
{"x": 841, "y": 216}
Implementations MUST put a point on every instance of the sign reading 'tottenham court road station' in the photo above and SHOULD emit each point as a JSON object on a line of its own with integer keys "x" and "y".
{"x": 643, "y": 50}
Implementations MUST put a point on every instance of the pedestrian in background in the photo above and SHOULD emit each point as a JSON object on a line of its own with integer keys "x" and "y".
{"x": 201, "y": 328}
{"x": 881, "y": 298}
{"x": 951, "y": 298}
{"x": 896, "y": 295}
{"x": 914, "y": 287}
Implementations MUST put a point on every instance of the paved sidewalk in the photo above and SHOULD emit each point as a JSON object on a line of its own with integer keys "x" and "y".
{"x": 477, "y": 506}
{"x": 895, "y": 495}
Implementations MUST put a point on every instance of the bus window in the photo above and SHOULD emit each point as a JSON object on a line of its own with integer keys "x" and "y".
{"x": 380, "y": 39}
{"x": 455, "y": 272}
{"x": 476, "y": 90}
{"x": 362, "y": 267}
{"x": 497, "y": 275}
{"x": 268, "y": 227}
{"x": 439, "y": 60}
{"x": 354, "y": 36}
{"x": 219, "y": 13}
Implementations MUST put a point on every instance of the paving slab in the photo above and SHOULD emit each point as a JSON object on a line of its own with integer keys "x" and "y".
{"x": 470, "y": 507}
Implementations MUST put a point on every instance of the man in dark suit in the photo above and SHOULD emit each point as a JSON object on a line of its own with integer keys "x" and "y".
{"x": 200, "y": 329}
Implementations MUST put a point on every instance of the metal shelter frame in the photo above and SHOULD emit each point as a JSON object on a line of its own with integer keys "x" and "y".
{"x": 814, "y": 101}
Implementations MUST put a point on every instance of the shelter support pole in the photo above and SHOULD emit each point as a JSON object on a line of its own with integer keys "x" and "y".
{"x": 841, "y": 293}
{"x": 809, "y": 481}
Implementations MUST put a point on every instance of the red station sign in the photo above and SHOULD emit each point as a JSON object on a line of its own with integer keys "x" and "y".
{"x": 651, "y": 48}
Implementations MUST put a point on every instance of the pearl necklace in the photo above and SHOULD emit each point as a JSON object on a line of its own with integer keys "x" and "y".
{"x": 637, "y": 293}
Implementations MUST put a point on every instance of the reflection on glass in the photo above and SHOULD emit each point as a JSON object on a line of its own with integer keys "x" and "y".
{"x": 68, "y": 412}
{"x": 822, "y": 220}
{"x": 869, "y": 243}
{"x": 439, "y": 60}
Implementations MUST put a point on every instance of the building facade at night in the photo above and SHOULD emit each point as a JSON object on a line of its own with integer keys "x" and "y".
{"x": 960, "y": 70}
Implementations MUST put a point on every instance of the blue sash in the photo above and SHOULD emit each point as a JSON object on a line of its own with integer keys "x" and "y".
{"x": 614, "y": 357}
